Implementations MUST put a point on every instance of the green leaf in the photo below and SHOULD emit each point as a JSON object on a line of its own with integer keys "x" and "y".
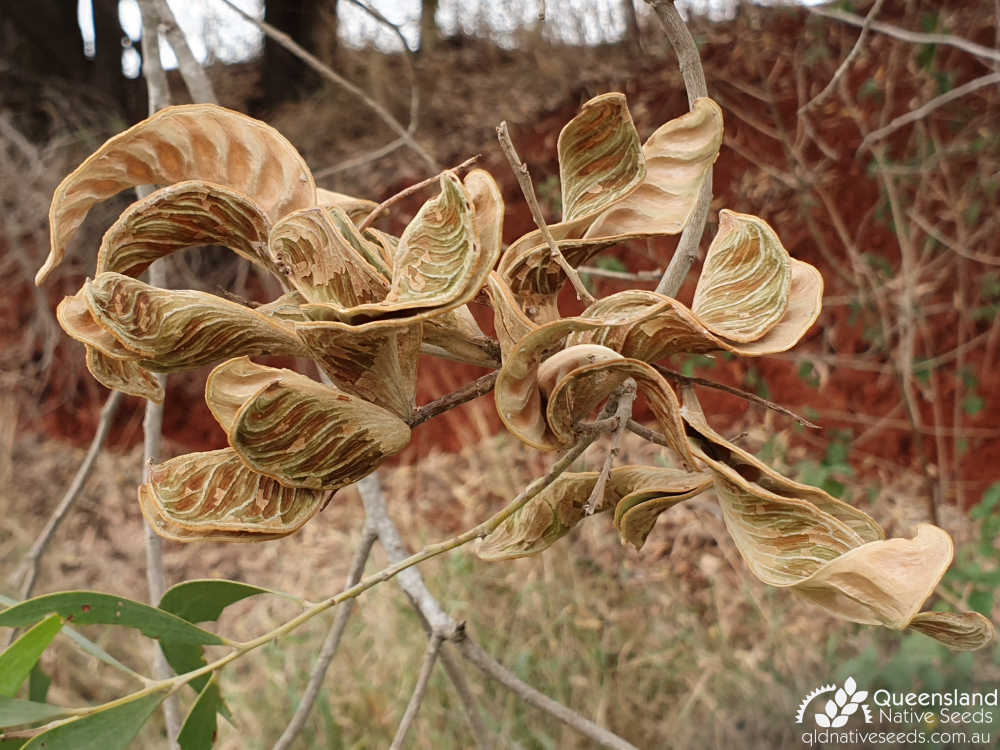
{"x": 17, "y": 661}
{"x": 204, "y": 600}
{"x": 85, "y": 644}
{"x": 200, "y": 726}
{"x": 110, "y": 729}
{"x": 38, "y": 684}
{"x": 200, "y": 601}
{"x": 14, "y": 712}
{"x": 95, "y": 608}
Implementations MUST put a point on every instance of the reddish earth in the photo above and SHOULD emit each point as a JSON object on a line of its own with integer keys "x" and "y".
{"x": 754, "y": 70}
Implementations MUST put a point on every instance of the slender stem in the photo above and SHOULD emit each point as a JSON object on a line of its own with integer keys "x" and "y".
{"x": 461, "y": 685}
{"x": 419, "y": 691}
{"x": 490, "y": 666}
{"x": 925, "y": 109}
{"x": 330, "y": 645}
{"x": 623, "y": 412}
{"x": 846, "y": 63}
{"x": 679, "y": 378}
{"x": 392, "y": 200}
{"x": 693, "y": 74}
{"x": 195, "y": 79}
{"x": 479, "y": 387}
{"x": 909, "y": 36}
{"x": 28, "y": 572}
{"x": 331, "y": 75}
{"x": 412, "y": 583}
{"x": 620, "y": 275}
{"x": 520, "y": 170}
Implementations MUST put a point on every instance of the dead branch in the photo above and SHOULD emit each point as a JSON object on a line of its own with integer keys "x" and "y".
{"x": 419, "y": 690}
{"x": 331, "y": 75}
{"x": 479, "y": 387}
{"x": 909, "y": 36}
{"x": 846, "y": 63}
{"x": 693, "y": 74}
{"x": 330, "y": 645}
{"x": 925, "y": 109}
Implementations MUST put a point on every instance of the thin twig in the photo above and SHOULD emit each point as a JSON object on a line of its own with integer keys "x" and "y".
{"x": 331, "y": 75}
{"x": 330, "y": 645}
{"x": 416, "y": 188}
{"x": 925, "y": 109}
{"x": 359, "y": 161}
{"x": 693, "y": 74}
{"x": 620, "y": 275}
{"x": 491, "y": 667}
{"x": 420, "y": 597}
{"x": 28, "y": 571}
{"x": 520, "y": 170}
{"x": 195, "y": 79}
{"x": 910, "y": 36}
{"x": 479, "y": 387}
{"x": 152, "y": 423}
{"x": 846, "y": 63}
{"x": 412, "y": 583}
{"x": 419, "y": 690}
{"x": 680, "y": 378}
{"x": 623, "y": 412}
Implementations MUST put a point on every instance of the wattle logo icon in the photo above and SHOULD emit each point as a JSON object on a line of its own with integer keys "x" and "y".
{"x": 838, "y": 709}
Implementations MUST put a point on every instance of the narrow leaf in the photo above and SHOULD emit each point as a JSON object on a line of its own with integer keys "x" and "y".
{"x": 110, "y": 729}
{"x": 94, "y": 608}
{"x": 14, "y": 712}
{"x": 20, "y": 658}
{"x": 200, "y": 726}
{"x": 38, "y": 684}
{"x": 200, "y": 601}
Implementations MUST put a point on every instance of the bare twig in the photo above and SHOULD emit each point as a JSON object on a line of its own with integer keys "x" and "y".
{"x": 925, "y": 109}
{"x": 846, "y": 63}
{"x": 416, "y": 188}
{"x": 331, "y": 75}
{"x": 479, "y": 387}
{"x": 680, "y": 378}
{"x": 623, "y": 412}
{"x": 491, "y": 667}
{"x": 910, "y": 36}
{"x": 419, "y": 690}
{"x": 28, "y": 571}
{"x": 359, "y": 161}
{"x": 330, "y": 645}
{"x": 520, "y": 170}
{"x": 195, "y": 78}
{"x": 412, "y": 583}
{"x": 154, "y": 13}
{"x": 620, "y": 275}
{"x": 693, "y": 74}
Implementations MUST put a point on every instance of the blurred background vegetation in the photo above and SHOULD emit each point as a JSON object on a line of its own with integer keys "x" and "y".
{"x": 676, "y": 645}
